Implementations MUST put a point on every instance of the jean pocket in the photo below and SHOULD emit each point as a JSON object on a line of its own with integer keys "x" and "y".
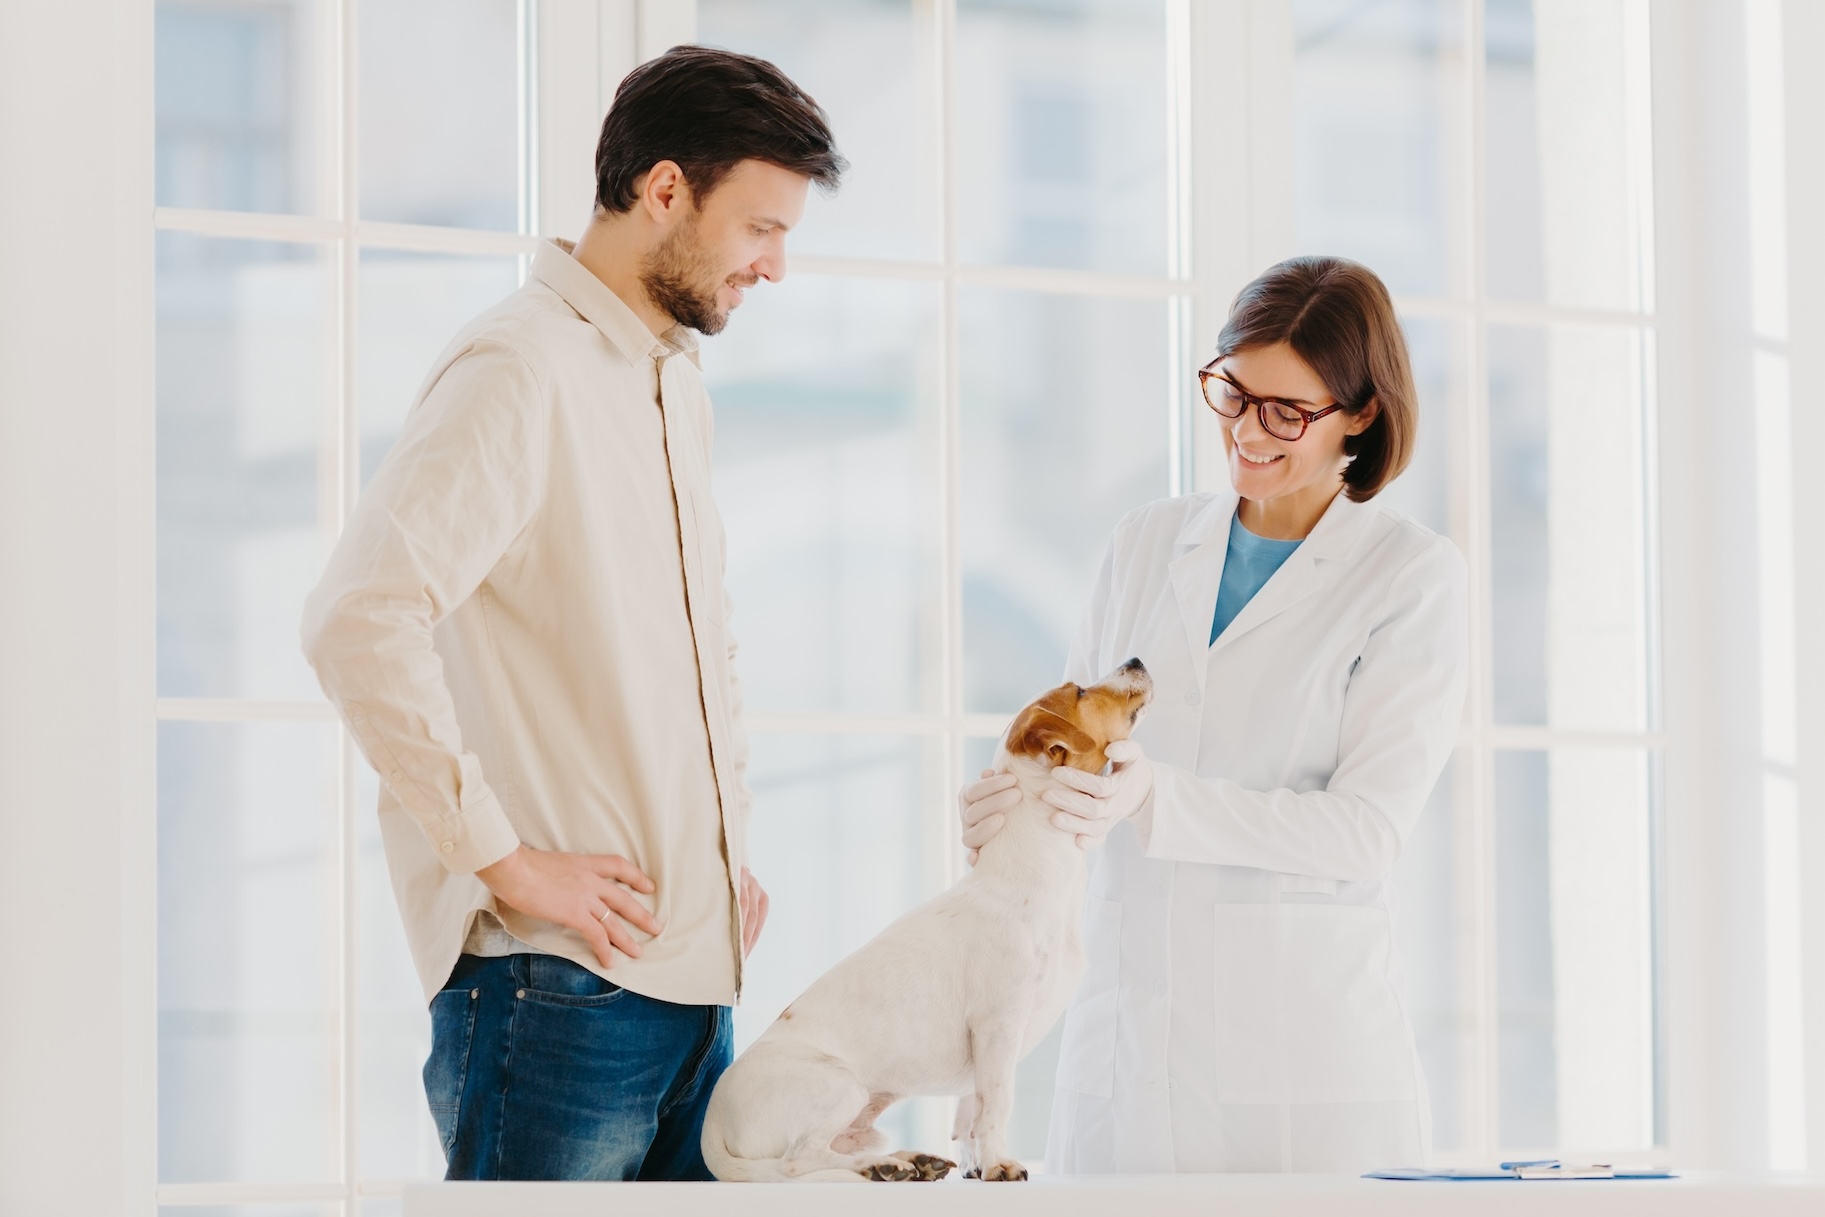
{"x": 447, "y": 1068}
{"x": 555, "y": 981}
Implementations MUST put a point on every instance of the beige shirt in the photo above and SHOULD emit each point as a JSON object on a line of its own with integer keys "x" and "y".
{"x": 524, "y": 627}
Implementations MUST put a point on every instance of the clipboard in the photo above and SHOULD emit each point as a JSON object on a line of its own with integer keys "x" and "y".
{"x": 1544, "y": 1168}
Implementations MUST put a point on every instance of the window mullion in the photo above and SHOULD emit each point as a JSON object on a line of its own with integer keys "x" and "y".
{"x": 344, "y": 79}
{"x": 1475, "y": 454}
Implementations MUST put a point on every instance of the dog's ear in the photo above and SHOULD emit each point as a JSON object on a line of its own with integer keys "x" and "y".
{"x": 1039, "y": 732}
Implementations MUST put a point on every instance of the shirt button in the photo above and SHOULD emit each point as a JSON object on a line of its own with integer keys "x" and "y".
{"x": 395, "y": 775}
{"x": 1191, "y": 697}
{"x": 449, "y": 847}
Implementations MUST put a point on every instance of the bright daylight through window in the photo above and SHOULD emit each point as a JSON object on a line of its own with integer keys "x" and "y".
{"x": 981, "y": 360}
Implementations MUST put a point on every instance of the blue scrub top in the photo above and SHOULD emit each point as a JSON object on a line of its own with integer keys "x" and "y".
{"x": 1251, "y": 562}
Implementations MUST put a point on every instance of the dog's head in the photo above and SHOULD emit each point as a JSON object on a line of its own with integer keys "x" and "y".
{"x": 1072, "y": 724}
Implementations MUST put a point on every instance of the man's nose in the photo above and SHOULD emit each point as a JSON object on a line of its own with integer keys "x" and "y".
{"x": 771, "y": 265}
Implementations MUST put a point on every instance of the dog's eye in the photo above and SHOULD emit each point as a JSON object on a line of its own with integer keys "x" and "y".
{"x": 1081, "y": 690}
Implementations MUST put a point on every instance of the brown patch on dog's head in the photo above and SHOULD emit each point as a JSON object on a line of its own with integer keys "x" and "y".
{"x": 1072, "y": 724}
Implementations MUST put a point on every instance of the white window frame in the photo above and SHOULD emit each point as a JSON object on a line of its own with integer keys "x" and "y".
{"x": 1219, "y": 236}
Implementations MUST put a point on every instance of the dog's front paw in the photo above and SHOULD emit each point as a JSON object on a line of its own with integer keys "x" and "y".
{"x": 1004, "y": 1171}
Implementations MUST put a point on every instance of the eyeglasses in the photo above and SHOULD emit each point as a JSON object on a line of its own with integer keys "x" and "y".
{"x": 1280, "y": 419}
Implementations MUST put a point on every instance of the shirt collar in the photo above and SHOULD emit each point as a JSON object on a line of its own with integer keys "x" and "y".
{"x": 556, "y": 267}
{"x": 1335, "y": 536}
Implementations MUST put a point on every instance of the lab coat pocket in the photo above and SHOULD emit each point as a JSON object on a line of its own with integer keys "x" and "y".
{"x": 1086, "y": 1053}
{"x": 1304, "y": 1011}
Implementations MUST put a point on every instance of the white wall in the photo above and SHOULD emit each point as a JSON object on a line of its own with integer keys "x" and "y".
{"x": 76, "y": 684}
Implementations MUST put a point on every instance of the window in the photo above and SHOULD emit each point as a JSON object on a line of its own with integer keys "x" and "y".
{"x": 981, "y": 359}
{"x": 340, "y": 186}
{"x": 1491, "y": 160}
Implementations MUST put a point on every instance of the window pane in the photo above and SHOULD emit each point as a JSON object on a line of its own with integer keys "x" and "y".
{"x": 1574, "y": 958}
{"x": 392, "y": 1028}
{"x": 1065, "y": 425}
{"x": 247, "y": 959}
{"x": 871, "y": 67}
{"x": 243, "y": 348}
{"x": 826, "y": 423}
{"x": 440, "y": 112}
{"x": 235, "y": 98}
{"x": 1436, "y": 933}
{"x": 1061, "y": 133}
{"x": 1378, "y": 91}
{"x": 1566, "y": 128}
{"x": 411, "y": 306}
{"x": 849, "y": 832}
{"x": 1567, "y": 525}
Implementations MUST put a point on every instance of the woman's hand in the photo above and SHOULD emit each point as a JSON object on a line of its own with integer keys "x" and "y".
{"x": 982, "y": 808}
{"x": 1090, "y": 804}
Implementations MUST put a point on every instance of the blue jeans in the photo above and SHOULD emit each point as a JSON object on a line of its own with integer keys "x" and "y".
{"x": 540, "y": 1069}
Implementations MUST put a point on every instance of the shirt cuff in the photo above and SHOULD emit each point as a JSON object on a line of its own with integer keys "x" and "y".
{"x": 480, "y": 835}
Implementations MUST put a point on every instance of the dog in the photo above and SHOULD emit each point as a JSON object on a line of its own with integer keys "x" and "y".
{"x": 946, "y": 1000}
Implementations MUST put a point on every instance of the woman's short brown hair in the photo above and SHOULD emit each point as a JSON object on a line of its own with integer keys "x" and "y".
{"x": 1337, "y": 316}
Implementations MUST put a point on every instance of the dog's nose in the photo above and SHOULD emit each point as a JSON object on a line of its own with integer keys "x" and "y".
{"x": 1134, "y": 665}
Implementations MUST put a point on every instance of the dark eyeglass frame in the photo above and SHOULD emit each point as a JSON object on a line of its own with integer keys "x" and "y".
{"x": 1208, "y": 373}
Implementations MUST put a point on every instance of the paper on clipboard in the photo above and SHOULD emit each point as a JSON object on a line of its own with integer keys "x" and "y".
{"x": 1547, "y": 1168}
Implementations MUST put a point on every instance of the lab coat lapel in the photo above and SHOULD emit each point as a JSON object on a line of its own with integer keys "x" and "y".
{"x": 1302, "y": 574}
{"x": 1196, "y": 571}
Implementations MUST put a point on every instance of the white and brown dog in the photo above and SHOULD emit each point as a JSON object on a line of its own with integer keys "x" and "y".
{"x": 946, "y": 1000}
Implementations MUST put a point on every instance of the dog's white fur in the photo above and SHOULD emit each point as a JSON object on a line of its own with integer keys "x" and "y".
{"x": 945, "y": 1001}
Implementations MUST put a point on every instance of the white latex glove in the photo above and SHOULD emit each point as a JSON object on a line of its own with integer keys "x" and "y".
{"x": 982, "y": 808}
{"x": 1090, "y": 804}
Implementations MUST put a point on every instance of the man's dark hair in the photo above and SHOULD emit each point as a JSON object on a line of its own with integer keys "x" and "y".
{"x": 709, "y": 110}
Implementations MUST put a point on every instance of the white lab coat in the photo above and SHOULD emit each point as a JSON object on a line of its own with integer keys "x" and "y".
{"x": 1241, "y": 1010}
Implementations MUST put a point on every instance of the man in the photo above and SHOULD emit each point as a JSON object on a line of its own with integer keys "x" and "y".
{"x": 524, "y": 628}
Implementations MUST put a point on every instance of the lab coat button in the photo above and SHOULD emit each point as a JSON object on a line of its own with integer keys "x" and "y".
{"x": 1191, "y": 697}
{"x": 449, "y": 847}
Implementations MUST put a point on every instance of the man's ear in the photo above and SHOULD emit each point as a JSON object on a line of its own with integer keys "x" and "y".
{"x": 1039, "y": 732}
{"x": 664, "y": 191}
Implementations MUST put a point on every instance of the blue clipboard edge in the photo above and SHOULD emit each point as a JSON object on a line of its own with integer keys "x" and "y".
{"x": 1418, "y": 1175}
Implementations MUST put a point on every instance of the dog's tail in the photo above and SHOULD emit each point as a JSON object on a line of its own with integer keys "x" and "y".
{"x": 730, "y": 1169}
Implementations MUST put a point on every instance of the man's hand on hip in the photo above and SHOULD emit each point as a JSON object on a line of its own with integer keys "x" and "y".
{"x": 753, "y": 912}
{"x": 584, "y": 892}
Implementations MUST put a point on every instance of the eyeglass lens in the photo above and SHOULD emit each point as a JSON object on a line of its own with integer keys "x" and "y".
{"x": 1281, "y": 421}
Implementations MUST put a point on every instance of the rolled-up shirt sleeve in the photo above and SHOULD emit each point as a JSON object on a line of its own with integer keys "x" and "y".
{"x": 465, "y": 479}
{"x": 1401, "y": 715}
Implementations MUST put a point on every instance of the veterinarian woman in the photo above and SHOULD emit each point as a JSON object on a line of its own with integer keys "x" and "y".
{"x": 1240, "y": 1010}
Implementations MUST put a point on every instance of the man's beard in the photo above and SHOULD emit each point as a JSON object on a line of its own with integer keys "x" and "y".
{"x": 682, "y": 280}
